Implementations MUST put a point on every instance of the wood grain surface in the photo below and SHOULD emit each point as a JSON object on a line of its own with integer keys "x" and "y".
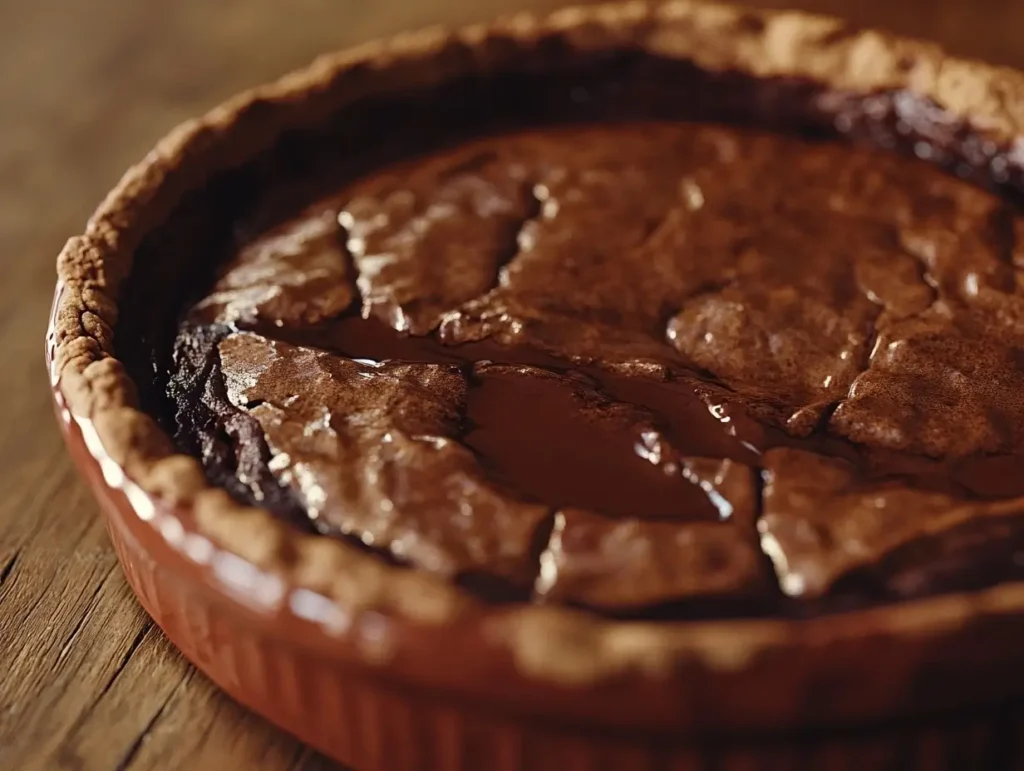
{"x": 86, "y": 681}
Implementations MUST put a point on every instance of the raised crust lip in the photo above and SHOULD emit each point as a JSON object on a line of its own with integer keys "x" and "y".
{"x": 95, "y": 393}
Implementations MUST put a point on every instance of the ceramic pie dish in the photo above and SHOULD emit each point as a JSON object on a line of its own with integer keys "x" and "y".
{"x": 633, "y": 387}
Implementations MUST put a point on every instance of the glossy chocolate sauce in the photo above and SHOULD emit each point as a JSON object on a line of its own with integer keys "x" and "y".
{"x": 649, "y": 367}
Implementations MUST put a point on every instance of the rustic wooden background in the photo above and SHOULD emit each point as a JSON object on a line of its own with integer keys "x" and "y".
{"x": 86, "y": 682}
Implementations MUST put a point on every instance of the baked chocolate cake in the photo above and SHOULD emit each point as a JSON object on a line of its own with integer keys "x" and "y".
{"x": 643, "y": 335}
{"x": 628, "y": 364}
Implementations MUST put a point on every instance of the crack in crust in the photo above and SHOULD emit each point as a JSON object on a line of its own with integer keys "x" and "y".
{"x": 559, "y": 645}
{"x": 387, "y": 216}
{"x": 297, "y": 274}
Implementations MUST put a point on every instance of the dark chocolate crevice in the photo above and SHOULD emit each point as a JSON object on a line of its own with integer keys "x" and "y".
{"x": 1005, "y": 232}
{"x": 516, "y": 233}
{"x": 911, "y": 125}
{"x": 972, "y": 556}
{"x": 497, "y": 590}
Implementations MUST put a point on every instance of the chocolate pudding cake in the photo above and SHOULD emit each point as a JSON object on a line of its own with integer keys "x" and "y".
{"x": 664, "y": 327}
{"x": 641, "y": 366}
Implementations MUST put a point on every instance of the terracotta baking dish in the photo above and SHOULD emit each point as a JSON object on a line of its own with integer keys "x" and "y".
{"x": 419, "y": 677}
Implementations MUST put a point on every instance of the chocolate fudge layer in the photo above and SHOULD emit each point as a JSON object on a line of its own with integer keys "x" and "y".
{"x": 645, "y": 367}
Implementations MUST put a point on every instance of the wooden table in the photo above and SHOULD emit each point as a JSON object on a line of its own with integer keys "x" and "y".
{"x": 86, "y": 681}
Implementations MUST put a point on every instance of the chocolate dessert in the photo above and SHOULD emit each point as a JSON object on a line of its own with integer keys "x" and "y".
{"x": 651, "y": 368}
{"x": 638, "y": 366}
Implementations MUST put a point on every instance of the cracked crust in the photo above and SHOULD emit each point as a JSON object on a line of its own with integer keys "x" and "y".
{"x": 560, "y": 645}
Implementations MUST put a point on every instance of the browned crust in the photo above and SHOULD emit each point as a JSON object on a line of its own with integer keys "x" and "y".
{"x": 556, "y": 644}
